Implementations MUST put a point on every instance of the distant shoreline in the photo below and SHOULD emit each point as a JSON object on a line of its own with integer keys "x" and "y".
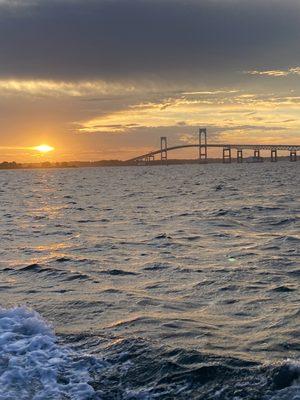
{"x": 117, "y": 163}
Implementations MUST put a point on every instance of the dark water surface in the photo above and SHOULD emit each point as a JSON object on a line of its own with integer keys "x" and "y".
{"x": 177, "y": 282}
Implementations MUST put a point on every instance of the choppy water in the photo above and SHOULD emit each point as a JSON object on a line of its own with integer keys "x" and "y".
{"x": 177, "y": 282}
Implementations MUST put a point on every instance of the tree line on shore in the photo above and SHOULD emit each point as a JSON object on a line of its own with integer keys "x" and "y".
{"x": 64, "y": 164}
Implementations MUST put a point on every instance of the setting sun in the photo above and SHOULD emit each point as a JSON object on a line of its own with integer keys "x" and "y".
{"x": 44, "y": 148}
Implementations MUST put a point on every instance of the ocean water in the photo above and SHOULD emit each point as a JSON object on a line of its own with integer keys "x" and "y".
{"x": 178, "y": 282}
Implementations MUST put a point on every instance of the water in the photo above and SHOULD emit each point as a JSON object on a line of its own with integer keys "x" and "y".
{"x": 150, "y": 283}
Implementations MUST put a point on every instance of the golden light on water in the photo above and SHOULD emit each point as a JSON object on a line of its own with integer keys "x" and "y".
{"x": 44, "y": 148}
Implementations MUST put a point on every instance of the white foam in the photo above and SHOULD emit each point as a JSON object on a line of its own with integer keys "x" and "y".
{"x": 33, "y": 366}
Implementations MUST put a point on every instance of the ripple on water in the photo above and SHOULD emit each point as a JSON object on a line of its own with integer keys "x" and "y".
{"x": 202, "y": 262}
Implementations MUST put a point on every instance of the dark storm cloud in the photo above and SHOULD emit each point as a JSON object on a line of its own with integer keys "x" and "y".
{"x": 150, "y": 39}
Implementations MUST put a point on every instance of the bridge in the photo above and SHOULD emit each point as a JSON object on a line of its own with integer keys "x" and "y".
{"x": 203, "y": 147}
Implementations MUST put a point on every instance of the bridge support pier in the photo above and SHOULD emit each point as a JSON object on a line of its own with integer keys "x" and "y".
{"x": 273, "y": 155}
{"x": 257, "y": 155}
{"x": 239, "y": 155}
{"x": 149, "y": 158}
{"x": 202, "y": 145}
{"x": 163, "y": 150}
{"x": 293, "y": 155}
{"x": 226, "y": 155}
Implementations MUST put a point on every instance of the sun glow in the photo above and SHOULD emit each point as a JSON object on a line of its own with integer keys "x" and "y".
{"x": 44, "y": 148}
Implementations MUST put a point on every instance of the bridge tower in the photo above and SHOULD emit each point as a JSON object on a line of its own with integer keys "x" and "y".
{"x": 164, "y": 149}
{"x": 202, "y": 145}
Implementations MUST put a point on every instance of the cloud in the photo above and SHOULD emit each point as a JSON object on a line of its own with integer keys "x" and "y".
{"x": 39, "y": 87}
{"x": 210, "y": 93}
{"x": 155, "y": 40}
{"x": 227, "y": 109}
{"x": 276, "y": 72}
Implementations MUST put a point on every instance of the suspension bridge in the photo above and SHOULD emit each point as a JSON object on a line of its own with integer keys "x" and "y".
{"x": 227, "y": 150}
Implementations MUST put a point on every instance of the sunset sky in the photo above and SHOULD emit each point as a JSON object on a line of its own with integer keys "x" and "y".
{"x": 104, "y": 79}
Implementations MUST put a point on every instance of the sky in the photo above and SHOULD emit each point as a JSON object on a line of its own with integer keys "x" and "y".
{"x": 104, "y": 79}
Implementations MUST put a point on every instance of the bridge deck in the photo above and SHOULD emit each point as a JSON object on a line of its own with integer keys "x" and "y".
{"x": 231, "y": 146}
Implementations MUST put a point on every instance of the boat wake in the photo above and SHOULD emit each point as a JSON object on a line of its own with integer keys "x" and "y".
{"x": 34, "y": 365}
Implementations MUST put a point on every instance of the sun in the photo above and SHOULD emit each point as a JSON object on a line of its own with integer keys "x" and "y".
{"x": 44, "y": 148}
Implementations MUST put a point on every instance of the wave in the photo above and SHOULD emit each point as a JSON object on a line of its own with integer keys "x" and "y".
{"x": 36, "y": 365}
